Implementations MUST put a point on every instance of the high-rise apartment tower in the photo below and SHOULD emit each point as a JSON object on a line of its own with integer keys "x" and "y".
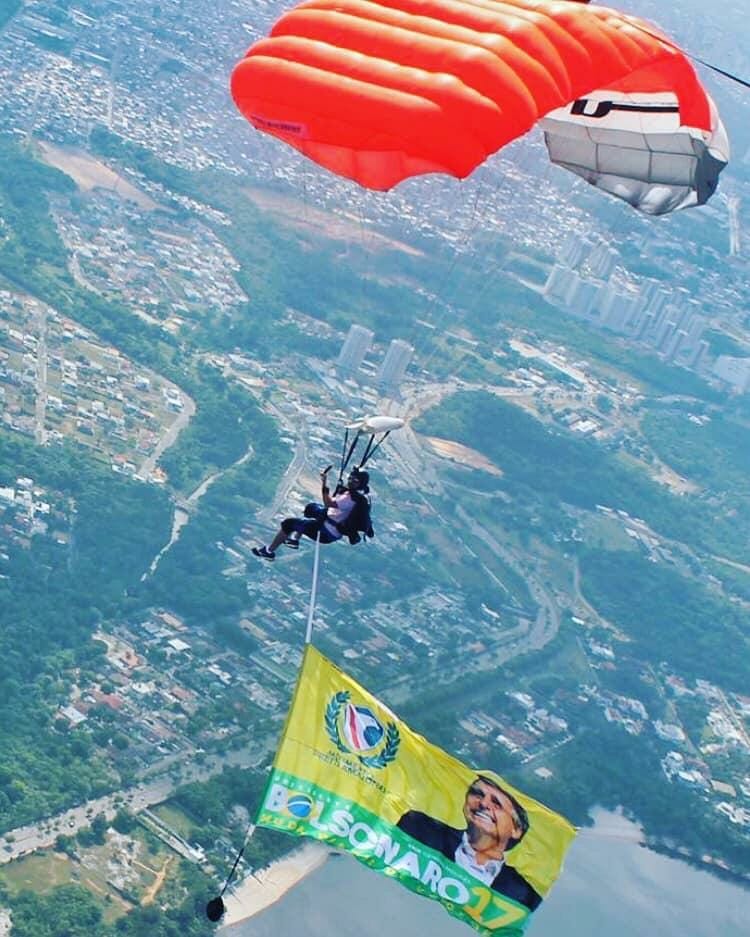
{"x": 355, "y": 347}
{"x": 395, "y": 363}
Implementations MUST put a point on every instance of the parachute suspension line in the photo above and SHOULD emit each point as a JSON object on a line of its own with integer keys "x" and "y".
{"x": 720, "y": 71}
{"x": 508, "y": 193}
{"x": 693, "y": 58}
{"x": 270, "y": 154}
{"x": 486, "y": 191}
{"x": 368, "y": 448}
{"x": 489, "y": 281}
{"x": 365, "y": 246}
{"x": 497, "y": 192}
{"x": 477, "y": 265}
{"x": 469, "y": 231}
{"x": 457, "y": 254}
{"x": 313, "y": 591}
{"x": 347, "y": 455}
{"x": 304, "y": 191}
{"x": 506, "y": 190}
{"x": 215, "y": 907}
{"x": 344, "y": 457}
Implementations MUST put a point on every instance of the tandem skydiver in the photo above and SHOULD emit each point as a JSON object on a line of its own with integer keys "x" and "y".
{"x": 346, "y": 512}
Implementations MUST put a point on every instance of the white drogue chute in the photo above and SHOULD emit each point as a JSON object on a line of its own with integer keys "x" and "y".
{"x": 372, "y": 426}
{"x": 382, "y": 424}
{"x": 356, "y": 425}
{"x": 376, "y": 424}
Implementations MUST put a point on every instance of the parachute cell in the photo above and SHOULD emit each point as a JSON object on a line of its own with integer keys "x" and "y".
{"x": 381, "y": 90}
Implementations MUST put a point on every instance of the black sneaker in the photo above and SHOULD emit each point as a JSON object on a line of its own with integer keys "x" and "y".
{"x": 292, "y": 543}
{"x": 264, "y": 553}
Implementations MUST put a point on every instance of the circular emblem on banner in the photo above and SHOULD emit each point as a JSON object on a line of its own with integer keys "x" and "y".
{"x": 356, "y": 730}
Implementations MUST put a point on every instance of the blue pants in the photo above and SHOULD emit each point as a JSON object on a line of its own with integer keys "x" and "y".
{"x": 307, "y": 527}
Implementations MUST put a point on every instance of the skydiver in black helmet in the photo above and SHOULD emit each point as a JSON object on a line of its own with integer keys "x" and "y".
{"x": 345, "y": 512}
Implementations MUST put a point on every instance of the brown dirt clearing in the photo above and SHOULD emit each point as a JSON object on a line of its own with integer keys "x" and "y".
{"x": 161, "y": 876}
{"x": 88, "y": 173}
{"x": 456, "y": 452}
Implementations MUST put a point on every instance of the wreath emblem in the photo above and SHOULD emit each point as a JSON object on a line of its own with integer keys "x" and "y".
{"x": 390, "y": 741}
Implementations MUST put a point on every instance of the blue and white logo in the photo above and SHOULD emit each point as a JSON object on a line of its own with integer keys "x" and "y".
{"x": 356, "y": 730}
{"x": 361, "y": 729}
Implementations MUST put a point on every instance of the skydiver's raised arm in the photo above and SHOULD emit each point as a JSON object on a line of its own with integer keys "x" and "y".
{"x": 324, "y": 490}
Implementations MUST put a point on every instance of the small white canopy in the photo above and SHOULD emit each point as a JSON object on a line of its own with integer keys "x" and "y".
{"x": 377, "y": 424}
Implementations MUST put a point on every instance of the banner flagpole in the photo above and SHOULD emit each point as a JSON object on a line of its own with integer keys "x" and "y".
{"x": 313, "y": 591}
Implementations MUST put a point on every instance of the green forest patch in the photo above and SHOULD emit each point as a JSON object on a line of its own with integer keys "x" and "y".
{"x": 734, "y": 579}
{"x": 670, "y": 617}
{"x": 550, "y": 467}
{"x": 714, "y": 452}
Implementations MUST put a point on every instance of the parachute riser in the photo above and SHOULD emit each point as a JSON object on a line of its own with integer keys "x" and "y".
{"x": 346, "y": 455}
{"x": 371, "y": 448}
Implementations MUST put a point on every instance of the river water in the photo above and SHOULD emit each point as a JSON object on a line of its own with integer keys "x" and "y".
{"x": 611, "y": 887}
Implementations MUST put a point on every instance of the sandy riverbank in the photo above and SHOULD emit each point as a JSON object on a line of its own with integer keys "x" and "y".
{"x": 259, "y": 891}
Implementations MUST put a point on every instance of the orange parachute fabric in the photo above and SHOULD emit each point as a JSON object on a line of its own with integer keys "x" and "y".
{"x": 381, "y": 90}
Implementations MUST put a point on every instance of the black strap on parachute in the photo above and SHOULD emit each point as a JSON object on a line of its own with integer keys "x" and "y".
{"x": 347, "y": 455}
{"x": 371, "y": 449}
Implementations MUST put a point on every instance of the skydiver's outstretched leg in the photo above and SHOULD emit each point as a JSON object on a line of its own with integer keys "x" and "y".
{"x": 269, "y": 552}
{"x": 290, "y": 531}
{"x": 280, "y": 537}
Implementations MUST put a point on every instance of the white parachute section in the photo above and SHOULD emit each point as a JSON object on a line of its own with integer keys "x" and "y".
{"x": 375, "y": 428}
{"x": 376, "y": 424}
{"x": 633, "y": 146}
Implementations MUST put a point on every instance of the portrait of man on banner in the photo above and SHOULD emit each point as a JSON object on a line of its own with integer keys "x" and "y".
{"x": 495, "y": 823}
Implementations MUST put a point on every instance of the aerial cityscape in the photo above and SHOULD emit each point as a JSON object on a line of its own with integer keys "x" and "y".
{"x": 191, "y": 314}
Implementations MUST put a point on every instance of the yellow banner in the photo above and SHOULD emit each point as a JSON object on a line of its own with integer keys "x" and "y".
{"x": 349, "y": 772}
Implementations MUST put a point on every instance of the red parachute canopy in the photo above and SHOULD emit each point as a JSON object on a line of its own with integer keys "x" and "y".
{"x": 381, "y": 90}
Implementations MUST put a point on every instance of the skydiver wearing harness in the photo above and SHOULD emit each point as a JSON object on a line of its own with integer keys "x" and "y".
{"x": 347, "y": 511}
